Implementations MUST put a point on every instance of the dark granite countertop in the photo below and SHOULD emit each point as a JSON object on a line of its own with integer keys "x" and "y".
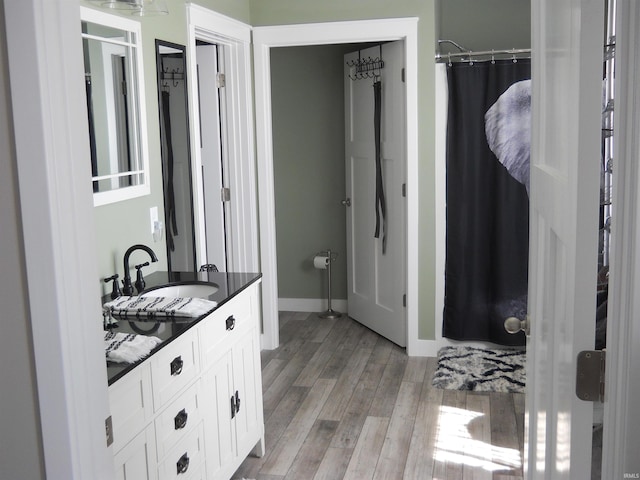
{"x": 229, "y": 285}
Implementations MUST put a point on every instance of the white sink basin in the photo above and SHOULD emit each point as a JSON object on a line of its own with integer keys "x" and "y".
{"x": 190, "y": 290}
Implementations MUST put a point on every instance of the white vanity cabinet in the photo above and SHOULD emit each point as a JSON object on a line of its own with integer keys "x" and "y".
{"x": 193, "y": 410}
{"x": 232, "y": 385}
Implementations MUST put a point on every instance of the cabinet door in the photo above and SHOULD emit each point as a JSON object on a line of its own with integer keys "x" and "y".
{"x": 247, "y": 381}
{"x": 220, "y": 429}
{"x": 137, "y": 460}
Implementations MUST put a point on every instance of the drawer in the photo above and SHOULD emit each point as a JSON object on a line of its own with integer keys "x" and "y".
{"x": 180, "y": 417}
{"x": 186, "y": 459}
{"x": 131, "y": 405}
{"x": 136, "y": 461}
{"x": 223, "y": 326}
{"x": 174, "y": 367}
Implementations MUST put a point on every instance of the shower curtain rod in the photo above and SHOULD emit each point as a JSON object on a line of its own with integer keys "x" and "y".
{"x": 491, "y": 54}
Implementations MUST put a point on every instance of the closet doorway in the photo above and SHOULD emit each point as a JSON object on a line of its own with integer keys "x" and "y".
{"x": 266, "y": 38}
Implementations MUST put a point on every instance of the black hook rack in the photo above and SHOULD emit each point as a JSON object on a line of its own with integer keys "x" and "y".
{"x": 366, "y": 67}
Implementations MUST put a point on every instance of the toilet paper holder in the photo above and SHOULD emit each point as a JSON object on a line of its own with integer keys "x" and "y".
{"x": 325, "y": 259}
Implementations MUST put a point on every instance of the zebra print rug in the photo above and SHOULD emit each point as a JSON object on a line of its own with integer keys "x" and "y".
{"x": 480, "y": 370}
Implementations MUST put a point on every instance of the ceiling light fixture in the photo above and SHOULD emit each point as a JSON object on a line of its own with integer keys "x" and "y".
{"x": 136, "y": 7}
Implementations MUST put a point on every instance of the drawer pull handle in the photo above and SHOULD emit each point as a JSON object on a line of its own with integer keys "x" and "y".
{"x": 176, "y": 366}
{"x": 237, "y": 402}
{"x": 233, "y": 406}
{"x": 231, "y": 323}
{"x": 180, "y": 421}
{"x": 182, "y": 465}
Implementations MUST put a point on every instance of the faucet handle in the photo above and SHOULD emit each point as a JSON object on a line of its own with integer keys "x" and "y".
{"x": 116, "y": 292}
{"x": 139, "y": 279}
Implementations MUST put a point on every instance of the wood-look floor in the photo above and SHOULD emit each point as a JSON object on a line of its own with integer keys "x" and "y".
{"x": 341, "y": 402}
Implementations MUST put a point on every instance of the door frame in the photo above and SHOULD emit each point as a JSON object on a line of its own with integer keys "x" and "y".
{"x": 235, "y": 37}
{"x": 56, "y": 213}
{"x": 621, "y": 434}
{"x": 265, "y": 38}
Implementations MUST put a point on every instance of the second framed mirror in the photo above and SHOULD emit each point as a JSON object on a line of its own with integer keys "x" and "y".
{"x": 176, "y": 157}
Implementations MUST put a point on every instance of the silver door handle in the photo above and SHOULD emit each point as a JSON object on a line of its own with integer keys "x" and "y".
{"x": 515, "y": 325}
{"x": 346, "y": 202}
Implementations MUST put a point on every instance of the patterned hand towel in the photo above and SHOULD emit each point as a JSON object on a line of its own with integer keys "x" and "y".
{"x": 128, "y": 348}
{"x": 158, "y": 308}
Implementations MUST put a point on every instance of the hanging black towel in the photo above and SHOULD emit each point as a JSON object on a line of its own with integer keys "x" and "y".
{"x": 168, "y": 160}
{"x": 381, "y": 205}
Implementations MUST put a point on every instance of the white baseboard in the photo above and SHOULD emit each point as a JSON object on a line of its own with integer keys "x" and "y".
{"x": 310, "y": 305}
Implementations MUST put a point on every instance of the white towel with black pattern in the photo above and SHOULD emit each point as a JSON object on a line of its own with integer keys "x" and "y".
{"x": 128, "y": 347}
{"x": 158, "y": 308}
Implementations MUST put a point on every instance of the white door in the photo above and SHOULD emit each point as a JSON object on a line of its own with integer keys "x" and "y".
{"x": 376, "y": 279}
{"x": 565, "y": 154}
{"x": 211, "y": 153}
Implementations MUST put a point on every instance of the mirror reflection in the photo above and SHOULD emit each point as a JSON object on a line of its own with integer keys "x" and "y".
{"x": 113, "y": 76}
{"x": 176, "y": 158}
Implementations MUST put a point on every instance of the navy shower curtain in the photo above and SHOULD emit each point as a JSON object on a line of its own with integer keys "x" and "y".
{"x": 487, "y": 240}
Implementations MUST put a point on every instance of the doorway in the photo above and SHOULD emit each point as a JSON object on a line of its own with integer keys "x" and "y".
{"x": 212, "y": 147}
{"x": 228, "y": 238}
{"x": 266, "y": 38}
{"x": 325, "y": 180}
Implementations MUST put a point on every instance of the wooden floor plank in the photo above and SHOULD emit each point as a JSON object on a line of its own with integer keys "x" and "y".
{"x": 278, "y": 389}
{"x": 416, "y": 369}
{"x": 395, "y": 449}
{"x": 385, "y": 397}
{"x": 285, "y": 451}
{"x": 362, "y": 465}
{"x": 334, "y": 464}
{"x": 270, "y": 372}
{"x": 477, "y": 450}
{"x": 420, "y": 459}
{"x": 519, "y": 410}
{"x": 336, "y": 405}
{"x": 311, "y": 453}
{"x": 358, "y": 407}
{"x": 504, "y": 434}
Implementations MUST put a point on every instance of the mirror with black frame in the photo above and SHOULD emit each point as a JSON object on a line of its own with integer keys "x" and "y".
{"x": 176, "y": 156}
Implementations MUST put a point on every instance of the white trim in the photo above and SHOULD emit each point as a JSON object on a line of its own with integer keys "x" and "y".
{"x": 235, "y": 37}
{"x": 621, "y": 418}
{"x": 332, "y": 33}
{"x": 126, "y": 193}
{"x": 52, "y": 143}
{"x": 442, "y": 104}
{"x": 311, "y": 305}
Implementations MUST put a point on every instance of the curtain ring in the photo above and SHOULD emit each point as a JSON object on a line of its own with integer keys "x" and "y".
{"x": 450, "y": 59}
{"x": 493, "y": 57}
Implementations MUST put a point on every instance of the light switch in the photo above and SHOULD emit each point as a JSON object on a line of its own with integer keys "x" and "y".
{"x": 153, "y": 216}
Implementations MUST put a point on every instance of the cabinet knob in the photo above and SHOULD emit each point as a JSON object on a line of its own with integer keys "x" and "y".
{"x": 182, "y": 465}
{"x": 176, "y": 366}
{"x": 180, "y": 420}
{"x": 231, "y": 323}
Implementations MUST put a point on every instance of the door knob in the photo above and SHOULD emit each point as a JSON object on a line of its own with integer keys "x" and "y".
{"x": 346, "y": 202}
{"x": 515, "y": 325}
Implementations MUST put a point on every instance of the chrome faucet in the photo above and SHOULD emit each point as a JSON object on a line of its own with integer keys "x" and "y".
{"x": 127, "y": 288}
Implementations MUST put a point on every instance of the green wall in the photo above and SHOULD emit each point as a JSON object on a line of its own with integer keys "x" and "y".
{"x": 274, "y": 12}
{"x": 486, "y": 24}
{"x": 308, "y": 156}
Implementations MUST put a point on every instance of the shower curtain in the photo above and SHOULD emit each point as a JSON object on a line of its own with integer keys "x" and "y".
{"x": 487, "y": 213}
